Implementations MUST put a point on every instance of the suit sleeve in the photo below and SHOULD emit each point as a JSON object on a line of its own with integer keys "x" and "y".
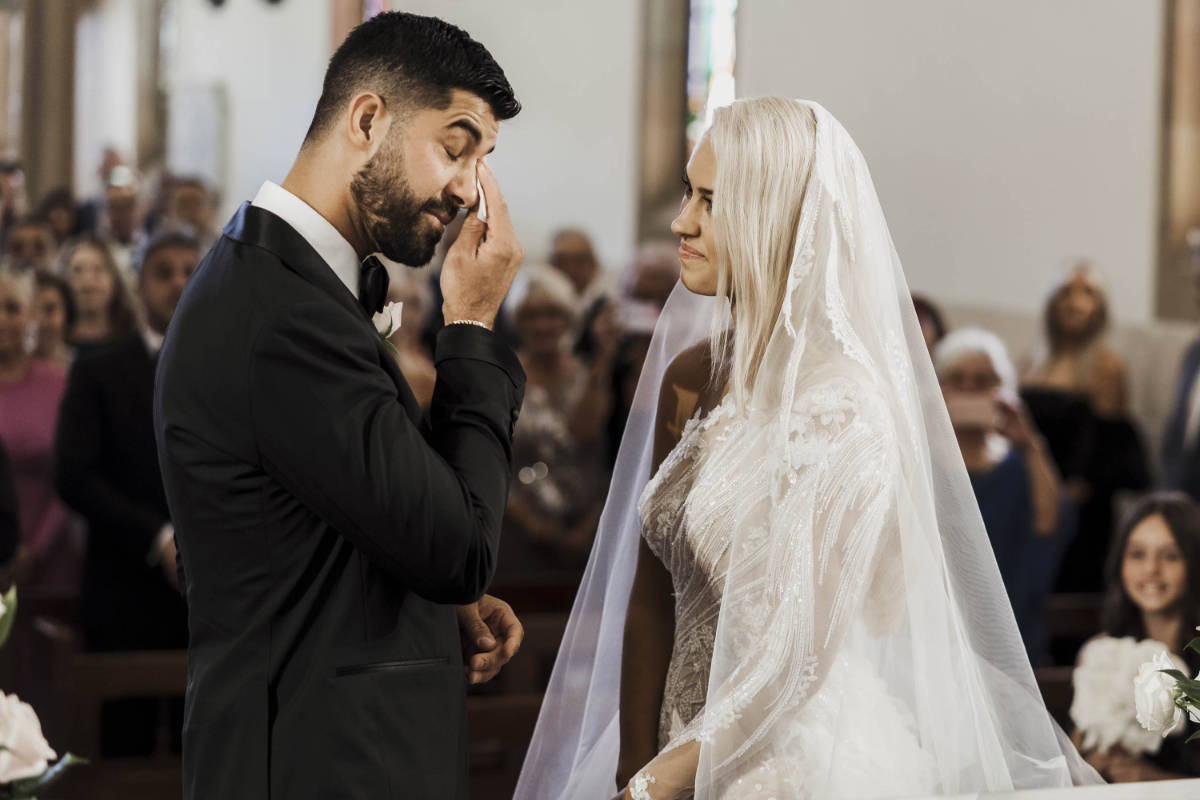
{"x": 1172, "y": 444}
{"x": 10, "y": 520}
{"x": 329, "y": 425}
{"x": 79, "y": 468}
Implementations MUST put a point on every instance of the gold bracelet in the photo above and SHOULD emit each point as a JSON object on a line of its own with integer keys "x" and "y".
{"x": 475, "y": 322}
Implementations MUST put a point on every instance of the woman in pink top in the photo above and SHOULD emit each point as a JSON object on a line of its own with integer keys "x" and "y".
{"x": 30, "y": 392}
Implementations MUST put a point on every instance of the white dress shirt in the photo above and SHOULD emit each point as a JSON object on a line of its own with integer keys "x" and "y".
{"x": 153, "y": 340}
{"x": 319, "y": 232}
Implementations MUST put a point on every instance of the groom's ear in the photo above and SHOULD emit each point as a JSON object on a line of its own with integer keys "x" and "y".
{"x": 367, "y": 122}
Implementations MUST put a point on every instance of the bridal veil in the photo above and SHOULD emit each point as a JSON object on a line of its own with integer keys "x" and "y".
{"x": 857, "y": 554}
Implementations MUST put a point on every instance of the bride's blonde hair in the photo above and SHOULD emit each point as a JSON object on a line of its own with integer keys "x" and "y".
{"x": 764, "y": 151}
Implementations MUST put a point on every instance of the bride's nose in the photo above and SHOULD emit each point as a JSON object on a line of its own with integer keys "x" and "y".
{"x": 685, "y": 225}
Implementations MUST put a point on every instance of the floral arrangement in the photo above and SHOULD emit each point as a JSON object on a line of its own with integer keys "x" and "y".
{"x": 1104, "y": 711}
{"x": 25, "y": 755}
{"x": 1165, "y": 696}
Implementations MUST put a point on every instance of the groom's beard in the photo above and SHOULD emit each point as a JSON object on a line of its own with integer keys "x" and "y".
{"x": 391, "y": 212}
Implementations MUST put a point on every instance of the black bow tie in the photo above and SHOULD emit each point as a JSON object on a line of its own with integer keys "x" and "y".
{"x": 372, "y": 285}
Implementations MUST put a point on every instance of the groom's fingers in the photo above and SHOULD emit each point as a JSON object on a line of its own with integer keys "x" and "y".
{"x": 503, "y": 620}
{"x": 513, "y": 634}
{"x": 471, "y": 234}
{"x": 473, "y": 628}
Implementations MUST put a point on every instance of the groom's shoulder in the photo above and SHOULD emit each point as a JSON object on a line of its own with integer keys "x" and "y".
{"x": 239, "y": 282}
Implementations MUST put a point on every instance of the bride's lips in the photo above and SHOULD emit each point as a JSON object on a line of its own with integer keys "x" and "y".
{"x": 688, "y": 252}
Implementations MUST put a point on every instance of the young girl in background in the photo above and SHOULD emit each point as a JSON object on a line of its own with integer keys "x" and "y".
{"x": 1153, "y": 593}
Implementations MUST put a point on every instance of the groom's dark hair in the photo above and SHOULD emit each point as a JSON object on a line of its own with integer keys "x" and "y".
{"x": 410, "y": 61}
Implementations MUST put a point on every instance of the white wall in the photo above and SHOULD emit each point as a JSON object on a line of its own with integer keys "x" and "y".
{"x": 105, "y": 88}
{"x": 570, "y": 157}
{"x": 1004, "y": 137}
{"x": 270, "y": 60}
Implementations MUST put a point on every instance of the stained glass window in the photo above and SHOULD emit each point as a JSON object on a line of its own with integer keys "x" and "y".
{"x": 711, "y": 36}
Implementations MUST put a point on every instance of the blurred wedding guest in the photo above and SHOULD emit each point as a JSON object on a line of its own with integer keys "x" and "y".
{"x": 1076, "y": 390}
{"x": 1180, "y": 453}
{"x": 933, "y": 323}
{"x": 13, "y": 199}
{"x": 53, "y": 316}
{"x": 1011, "y": 471}
{"x": 645, "y": 287}
{"x": 121, "y": 229}
{"x": 91, "y": 211}
{"x": 58, "y": 209}
{"x": 29, "y": 245}
{"x": 190, "y": 202}
{"x": 1152, "y": 600}
{"x": 160, "y": 185}
{"x": 411, "y": 288}
{"x": 558, "y": 456}
{"x": 30, "y": 393}
{"x": 571, "y": 254}
{"x": 106, "y": 467}
{"x": 653, "y": 274}
{"x": 104, "y": 308}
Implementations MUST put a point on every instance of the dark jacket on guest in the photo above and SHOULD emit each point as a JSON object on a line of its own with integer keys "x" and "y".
{"x": 10, "y": 518}
{"x": 325, "y": 531}
{"x": 1181, "y": 464}
{"x": 106, "y": 468}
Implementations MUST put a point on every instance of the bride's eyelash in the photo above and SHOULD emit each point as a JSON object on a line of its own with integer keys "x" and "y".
{"x": 687, "y": 187}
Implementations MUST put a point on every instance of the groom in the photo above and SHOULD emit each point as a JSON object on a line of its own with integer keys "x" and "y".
{"x": 325, "y": 532}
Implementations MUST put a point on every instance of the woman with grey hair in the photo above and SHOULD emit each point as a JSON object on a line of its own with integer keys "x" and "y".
{"x": 1011, "y": 471}
{"x": 558, "y": 447}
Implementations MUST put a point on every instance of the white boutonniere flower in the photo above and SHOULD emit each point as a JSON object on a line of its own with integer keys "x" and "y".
{"x": 387, "y": 321}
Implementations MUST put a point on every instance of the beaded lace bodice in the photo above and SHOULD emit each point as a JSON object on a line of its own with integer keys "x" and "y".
{"x": 684, "y": 511}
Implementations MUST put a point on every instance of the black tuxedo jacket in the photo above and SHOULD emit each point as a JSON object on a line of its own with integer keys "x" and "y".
{"x": 1181, "y": 465}
{"x": 324, "y": 531}
{"x": 106, "y": 468}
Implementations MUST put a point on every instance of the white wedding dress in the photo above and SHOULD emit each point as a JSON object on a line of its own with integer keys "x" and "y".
{"x": 686, "y": 513}
{"x": 841, "y": 629}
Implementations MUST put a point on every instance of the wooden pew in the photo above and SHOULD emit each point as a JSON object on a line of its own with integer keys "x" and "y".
{"x": 95, "y": 678}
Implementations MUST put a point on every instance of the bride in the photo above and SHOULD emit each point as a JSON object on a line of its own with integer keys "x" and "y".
{"x": 791, "y": 593}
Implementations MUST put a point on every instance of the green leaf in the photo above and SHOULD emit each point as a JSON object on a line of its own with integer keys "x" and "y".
{"x": 30, "y": 787}
{"x": 1176, "y": 674}
{"x": 10, "y": 613}
{"x": 1194, "y": 737}
{"x": 1193, "y": 645}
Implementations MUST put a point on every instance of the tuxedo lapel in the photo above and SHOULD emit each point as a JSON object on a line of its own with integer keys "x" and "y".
{"x": 258, "y": 227}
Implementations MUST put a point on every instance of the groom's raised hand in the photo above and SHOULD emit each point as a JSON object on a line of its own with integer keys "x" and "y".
{"x": 482, "y": 262}
{"x": 491, "y": 636}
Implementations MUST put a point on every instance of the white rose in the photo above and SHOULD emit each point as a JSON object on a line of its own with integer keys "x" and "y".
{"x": 1155, "y": 694}
{"x": 24, "y": 751}
{"x": 387, "y": 321}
